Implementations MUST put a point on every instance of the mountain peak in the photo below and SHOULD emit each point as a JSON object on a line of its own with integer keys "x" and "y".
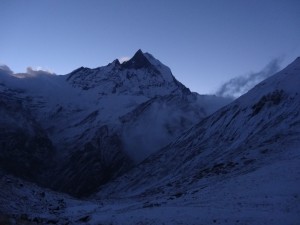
{"x": 138, "y": 61}
{"x": 138, "y": 55}
{"x": 139, "y": 52}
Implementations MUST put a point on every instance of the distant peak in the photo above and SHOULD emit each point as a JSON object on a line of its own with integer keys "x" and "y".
{"x": 138, "y": 61}
{"x": 116, "y": 62}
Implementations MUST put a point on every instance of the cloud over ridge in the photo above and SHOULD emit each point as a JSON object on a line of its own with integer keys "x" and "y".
{"x": 239, "y": 85}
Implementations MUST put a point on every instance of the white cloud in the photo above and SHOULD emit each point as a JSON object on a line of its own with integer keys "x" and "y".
{"x": 33, "y": 72}
{"x": 38, "y": 70}
{"x": 124, "y": 59}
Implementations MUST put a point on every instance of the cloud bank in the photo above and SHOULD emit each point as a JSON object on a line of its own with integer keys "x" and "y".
{"x": 30, "y": 72}
{"x": 38, "y": 71}
{"x": 240, "y": 85}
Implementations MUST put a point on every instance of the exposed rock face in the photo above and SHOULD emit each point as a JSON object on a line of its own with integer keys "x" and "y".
{"x": 138, "y": 61}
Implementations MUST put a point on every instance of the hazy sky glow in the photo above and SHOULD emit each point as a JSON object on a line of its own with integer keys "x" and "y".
{"x": 205, "y": 43}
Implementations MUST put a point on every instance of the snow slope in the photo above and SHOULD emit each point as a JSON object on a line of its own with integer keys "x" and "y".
{"x": 247, "y": 132}
{"x": 248, "y": 150}
{"x": 251, "y": 198}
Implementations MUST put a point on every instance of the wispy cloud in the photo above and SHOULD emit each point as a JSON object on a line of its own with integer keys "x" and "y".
{"x": 241, "y": 84}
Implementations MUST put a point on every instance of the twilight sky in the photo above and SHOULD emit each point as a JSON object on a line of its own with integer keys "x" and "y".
{"x": 204, "y": 42}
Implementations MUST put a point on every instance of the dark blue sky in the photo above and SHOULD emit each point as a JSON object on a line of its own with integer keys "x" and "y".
{"x": 205, "y": 43}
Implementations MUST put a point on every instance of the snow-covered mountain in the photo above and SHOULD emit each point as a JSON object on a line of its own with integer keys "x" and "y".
{"x": 141, "y": 75}
{"x": 239, "y": 165}
{"x": 98, "y": 122}
{"x": 250, "y": 147}
{"x": 258, "y": 126}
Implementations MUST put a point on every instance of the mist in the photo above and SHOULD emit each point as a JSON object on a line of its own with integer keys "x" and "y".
{"x": 239, "y": 85}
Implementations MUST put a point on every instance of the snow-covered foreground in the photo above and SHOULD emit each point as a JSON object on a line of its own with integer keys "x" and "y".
{"x": 268, "y": 195}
